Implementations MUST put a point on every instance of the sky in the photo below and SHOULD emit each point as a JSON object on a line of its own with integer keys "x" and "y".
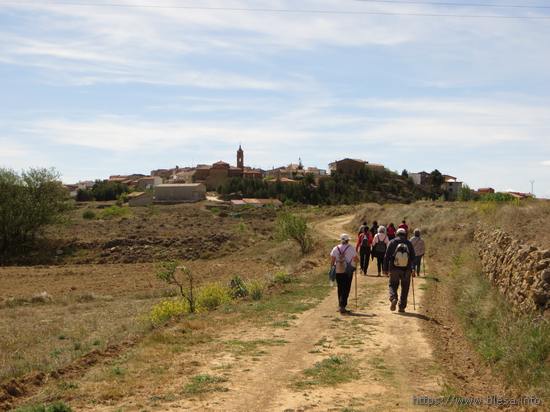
{"x": 95, "y": 88}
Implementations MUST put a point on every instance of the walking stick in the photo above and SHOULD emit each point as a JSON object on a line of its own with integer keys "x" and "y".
{"x": 414, "y": 301}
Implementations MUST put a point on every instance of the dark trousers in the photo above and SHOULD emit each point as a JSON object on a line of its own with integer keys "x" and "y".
{"x": 379, "y": 262}
{"x": 400, "y": 278}
{"x": 343, "y": 280}
{"x": 364, "y": 256}
{"x": 418, "y": 264}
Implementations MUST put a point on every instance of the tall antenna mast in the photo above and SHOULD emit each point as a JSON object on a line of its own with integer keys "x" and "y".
{"x": 532, "y": 187}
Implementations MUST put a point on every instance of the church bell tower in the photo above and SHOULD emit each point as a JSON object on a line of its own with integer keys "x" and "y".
{"x": 240, "y": 158}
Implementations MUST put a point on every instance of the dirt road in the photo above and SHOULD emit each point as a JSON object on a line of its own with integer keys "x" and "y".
{"x": 388, "y": 355}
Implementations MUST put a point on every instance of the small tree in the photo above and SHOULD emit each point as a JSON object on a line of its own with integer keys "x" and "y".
{"x": 175, "y": 274}
{"x": 466, "y": 194}
{"x": 290, "y": 226}
{"x": 29, "y": 202}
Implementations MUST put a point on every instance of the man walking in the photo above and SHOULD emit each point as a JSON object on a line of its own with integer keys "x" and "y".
{"x": 399, "y": 261}
{"x": 419, "y": 250}
{"x": 344, "y": 260}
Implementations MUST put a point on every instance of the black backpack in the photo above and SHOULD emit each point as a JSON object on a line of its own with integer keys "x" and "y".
{"x": 379, "y": 247}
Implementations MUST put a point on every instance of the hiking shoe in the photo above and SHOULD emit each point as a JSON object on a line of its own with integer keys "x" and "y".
{"x": 401, "y": 310}
{"x": 393, "y": 304}
{"x": 342, "y": 310}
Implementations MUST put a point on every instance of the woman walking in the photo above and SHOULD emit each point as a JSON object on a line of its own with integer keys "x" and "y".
{"x": 379, "y": 247}
{"x": 363, "y": 248}
{"x": 391, "y": 231}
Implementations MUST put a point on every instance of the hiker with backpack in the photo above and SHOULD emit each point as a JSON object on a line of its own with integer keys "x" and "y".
{"x": 399, "y": 263}
{"x": 374, "y": 228}
{"x": 343, "y": 263}
{"x": 362, "y": 228}
{"x": 404, "y": 225}
{"x": 379, "y": 246}
{"x": 363, "y": 248}
{"x": 419, "y": 250}
{"x": 391, "y": 231}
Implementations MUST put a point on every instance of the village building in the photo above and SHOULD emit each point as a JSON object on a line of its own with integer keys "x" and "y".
{"x": 149, "y": 182}
{"x": 485, "y": 191}
{"x": 256, "y": 202}
{"x": 347, "y": 166}
{"x": 294, "y": 171}
{"x": 82, "y": 185}
{"x": 179, "y": 193}
{"x": 136, "y": 199}
{"x": 451, "y": 186}
{"x": 184, "y": 175}
{"x": 520, "y": 195}
{"x": 129, "y": 180}
{"x": 165, "y": 174}
{"x": 72, "y": 189}
{"x": 420, "y": 178}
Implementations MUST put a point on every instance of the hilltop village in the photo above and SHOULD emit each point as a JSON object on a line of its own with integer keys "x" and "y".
{"x": 192, "y": 184}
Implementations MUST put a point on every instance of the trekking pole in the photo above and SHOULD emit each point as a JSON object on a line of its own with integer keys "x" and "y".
{"x": 414, "y": 301}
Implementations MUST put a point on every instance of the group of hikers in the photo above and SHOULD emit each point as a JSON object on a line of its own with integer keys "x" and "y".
{"x": 397, "y": 257}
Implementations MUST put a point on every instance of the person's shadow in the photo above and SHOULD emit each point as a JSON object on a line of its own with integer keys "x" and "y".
{"x": 362, "y": 315}
{"x": 418, "y": 316}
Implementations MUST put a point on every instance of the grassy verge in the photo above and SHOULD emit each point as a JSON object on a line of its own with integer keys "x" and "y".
{"x": 328, "y": 372}
{"x": 205, "y": 383}
{"x": 517, "y": 347}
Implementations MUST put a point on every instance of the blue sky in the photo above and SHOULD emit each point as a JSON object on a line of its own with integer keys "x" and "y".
{"x": 94, "y": 91}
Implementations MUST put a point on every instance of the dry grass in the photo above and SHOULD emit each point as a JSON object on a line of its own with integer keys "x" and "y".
{"x": 96, "y": 305}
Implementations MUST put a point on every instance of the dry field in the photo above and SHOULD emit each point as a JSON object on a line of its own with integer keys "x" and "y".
{"x": 95, "y": 297}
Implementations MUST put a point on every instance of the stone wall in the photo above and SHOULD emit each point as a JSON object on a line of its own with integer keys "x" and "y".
{"x": 519, "y": 270}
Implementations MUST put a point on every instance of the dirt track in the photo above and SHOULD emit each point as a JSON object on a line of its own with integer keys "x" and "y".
{"x": 392, "y": 354}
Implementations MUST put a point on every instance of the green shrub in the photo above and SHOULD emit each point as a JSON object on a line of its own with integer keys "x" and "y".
{"x": 282, "y": 278}
{"x": 88, "y": 214}
{"x": 212, "y": 295}
{"x": 238, "y": 287}
{"x": 497, "y": 197}
{"x": 290, "y": 226}
{"x": 115, "y": 211}
{"x": 167, "y": 310}
{"x": 173, "y": 273}
{"x": 29, "y": 202}
{"x": 54, "y": 407}
{"x": 256, "y": 289}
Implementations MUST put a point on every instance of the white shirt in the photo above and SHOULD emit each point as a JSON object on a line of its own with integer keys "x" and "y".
{"x": 350, "y": 253}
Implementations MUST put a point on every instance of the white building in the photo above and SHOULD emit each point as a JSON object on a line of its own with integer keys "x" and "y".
{"x": 179, "y": 193}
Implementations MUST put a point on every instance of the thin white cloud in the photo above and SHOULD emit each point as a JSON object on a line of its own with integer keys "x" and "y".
{"x": 545, "y": 163}
{"x": 407, "y": 123}
{"x": 126, "y": 135}
{"x": 88, "y": 45}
